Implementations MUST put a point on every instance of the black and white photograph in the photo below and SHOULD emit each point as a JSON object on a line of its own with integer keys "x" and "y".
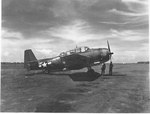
{"x": 75, "y": 56}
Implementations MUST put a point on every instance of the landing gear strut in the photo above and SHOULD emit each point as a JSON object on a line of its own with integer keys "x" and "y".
{"x": 90, "y": 70}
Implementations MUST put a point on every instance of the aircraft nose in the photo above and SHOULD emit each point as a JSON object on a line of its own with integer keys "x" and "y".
{"x": 106, "y": 54}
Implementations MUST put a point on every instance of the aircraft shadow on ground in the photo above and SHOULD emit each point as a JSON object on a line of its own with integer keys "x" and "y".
{"x": 81, "y": 76}
{"x": 84, "y": 76}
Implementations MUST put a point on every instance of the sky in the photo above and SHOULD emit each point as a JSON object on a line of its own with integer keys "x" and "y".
{"x": 49, "y": 27}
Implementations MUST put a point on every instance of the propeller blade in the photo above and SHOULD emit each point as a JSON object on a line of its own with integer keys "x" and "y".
{"x": 110, "y": 57}
{"x": 108, "y": 46}
{"x": 109, "y": 50}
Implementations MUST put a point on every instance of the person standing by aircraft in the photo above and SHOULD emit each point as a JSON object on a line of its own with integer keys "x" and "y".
{"x": 103, "y": 69}
{"x": 110, "y": 68}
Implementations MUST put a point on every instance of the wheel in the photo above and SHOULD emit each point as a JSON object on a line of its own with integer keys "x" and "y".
{"x": 90, "y": 71}
{"x": 46, "y": 71}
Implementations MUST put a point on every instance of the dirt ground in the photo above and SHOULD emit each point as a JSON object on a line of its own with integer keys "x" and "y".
{"x": 76, "y": 91}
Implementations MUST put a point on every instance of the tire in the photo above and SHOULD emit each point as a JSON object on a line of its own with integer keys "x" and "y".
{"x": 90, "y": 71}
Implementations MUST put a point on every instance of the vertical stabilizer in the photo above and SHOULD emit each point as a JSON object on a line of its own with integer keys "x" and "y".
{"x": 28, "y": 56}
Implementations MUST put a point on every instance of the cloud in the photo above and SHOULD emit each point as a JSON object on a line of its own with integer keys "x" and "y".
{"x": 129, "y": 35}
{"x": 136, "y": 15}
{"x": 11, "y": 35}
{"x": 137, "y": 6}
{"x": 114, "y": 23}
{"x": 42, "y": 48}
{"x": 136, "y": 1}
{"x": 126, "y": 56}
{"x": 28, "y": 16}
{"x": 115, "y": 11}
{"x": 77, "y": 31}
{"x": 6, "y": 54}
{"x": 60, "y": 9}
{"x": 44, "y": 51}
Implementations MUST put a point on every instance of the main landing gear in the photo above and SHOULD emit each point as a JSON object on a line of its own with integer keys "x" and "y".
{"x": 46, "y": 71}
{"x": 90, "y": 70}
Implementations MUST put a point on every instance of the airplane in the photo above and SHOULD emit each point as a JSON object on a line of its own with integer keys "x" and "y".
{"x": 74, "y": 59}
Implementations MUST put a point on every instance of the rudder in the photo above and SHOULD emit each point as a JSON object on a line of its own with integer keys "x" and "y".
{"x": 28, "y": 56}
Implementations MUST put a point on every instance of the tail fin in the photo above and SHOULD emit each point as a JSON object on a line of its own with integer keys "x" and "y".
{"x": 28, "y": 56}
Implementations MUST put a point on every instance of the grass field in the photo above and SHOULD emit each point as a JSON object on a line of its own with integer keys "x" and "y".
{"x": 76, "y": 91}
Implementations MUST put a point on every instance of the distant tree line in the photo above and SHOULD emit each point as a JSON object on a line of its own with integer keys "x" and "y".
{"x": 11, "y": 62}
{"x": 143, "y": 62}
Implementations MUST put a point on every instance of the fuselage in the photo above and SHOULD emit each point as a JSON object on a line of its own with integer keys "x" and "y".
{"x": 72, "y": 60}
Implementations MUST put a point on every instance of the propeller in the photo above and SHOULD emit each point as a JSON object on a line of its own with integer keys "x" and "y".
{"x": 108, "y": 46}
{"x": 110, "y": 53}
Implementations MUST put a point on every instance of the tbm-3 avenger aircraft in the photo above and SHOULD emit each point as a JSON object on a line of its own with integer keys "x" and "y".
{"x": 75, "y": 59}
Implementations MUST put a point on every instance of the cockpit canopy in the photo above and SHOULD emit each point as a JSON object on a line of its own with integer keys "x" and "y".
{"x": 76, "y": 50}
